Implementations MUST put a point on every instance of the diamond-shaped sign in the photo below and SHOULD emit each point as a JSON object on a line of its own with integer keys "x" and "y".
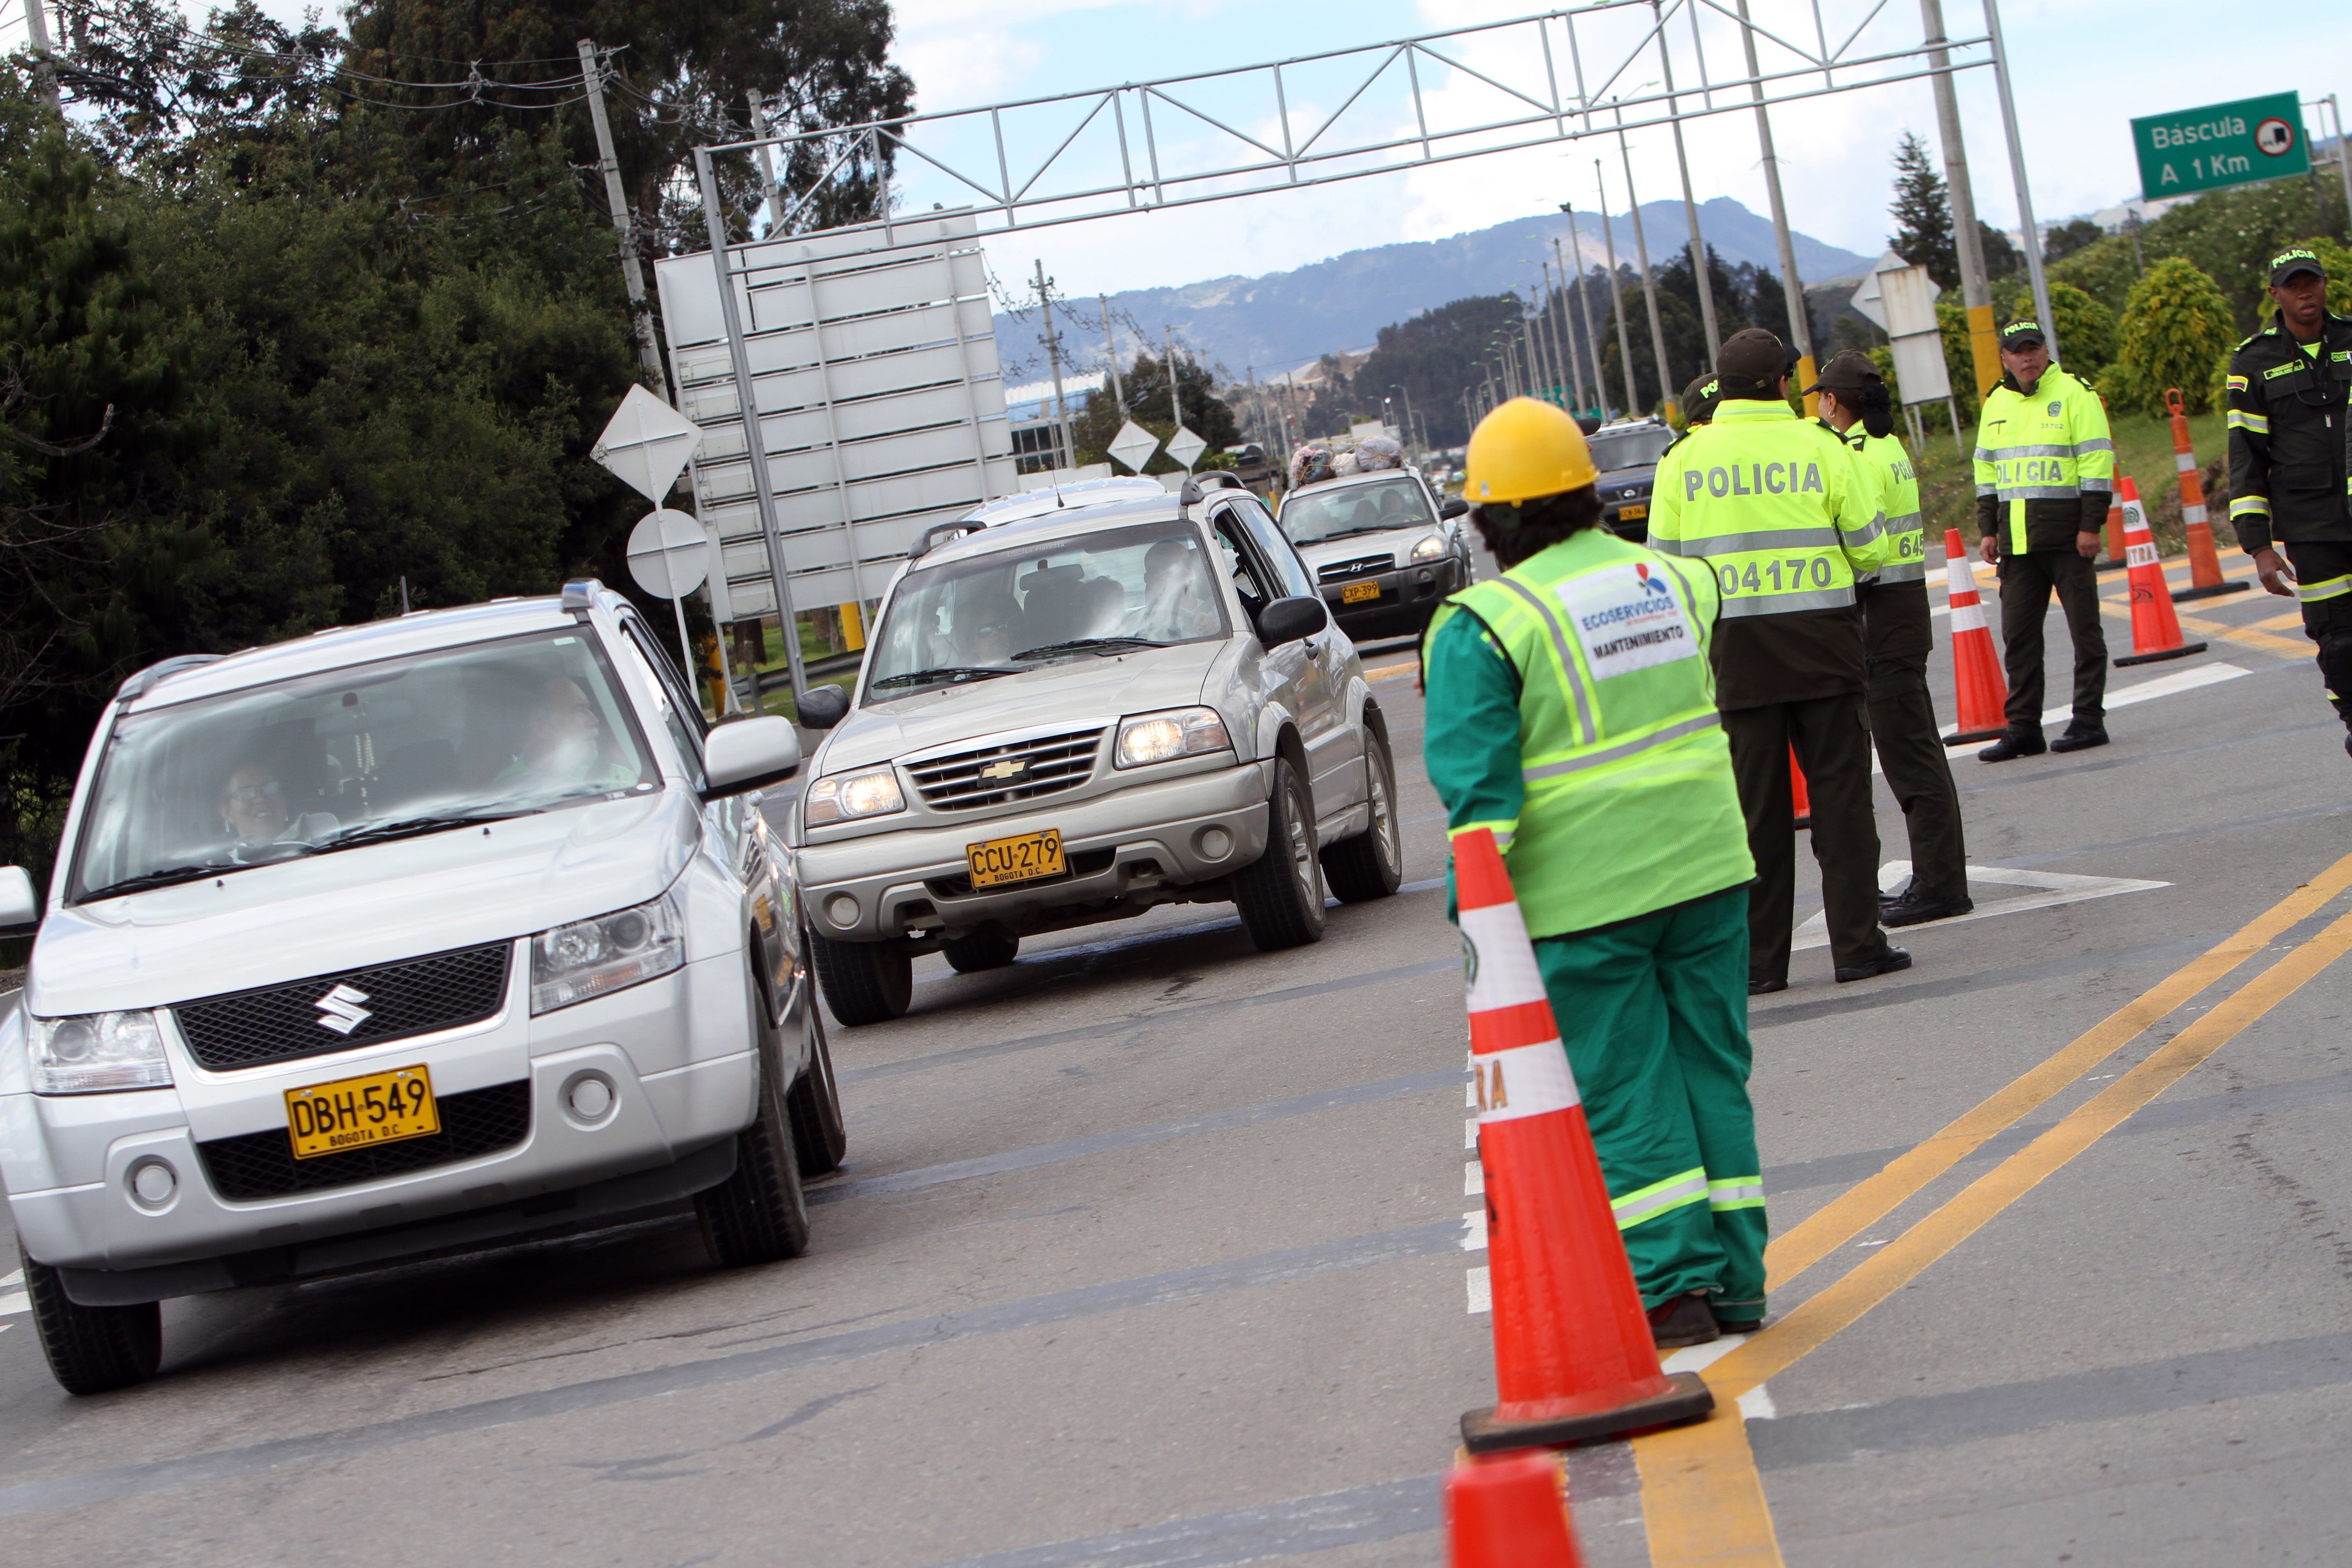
{"x": 668, "y": 554}
{"x": 1185, "y": 447}
{"x": 646, "y": 444}
{"x": 1134, "y": 446}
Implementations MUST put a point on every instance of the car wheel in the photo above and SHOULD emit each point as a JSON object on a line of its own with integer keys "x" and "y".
{"x": 1280, "y": 894}
{"x": 990, "y": 947}
{"x": 818, "y": 1136}
{"x": 759, "y": 1214}
{"x": 92, "y": 1349}
{"x": 1372, "y": 864}
{"x": 865, "y": 982}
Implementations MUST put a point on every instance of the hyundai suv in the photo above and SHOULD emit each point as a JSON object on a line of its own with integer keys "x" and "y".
{"x": 1383, "y": 547}
{"x": 400, "y": 938}
{"x": 1088, "y": 702}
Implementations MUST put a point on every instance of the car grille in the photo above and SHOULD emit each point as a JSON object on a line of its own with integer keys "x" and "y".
{"x": 414, "y": 996}
{"x": 1341, "y": 570}
{"x": 1048, "y": 764}
{"x": 262, "y": 1165}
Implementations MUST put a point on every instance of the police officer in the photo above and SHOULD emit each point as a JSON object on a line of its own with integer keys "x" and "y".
{"x": 2288, "y": 483}
{"x": 2045, "y": 466}
{"x": 1698, "y": 402}
{"x": 1899, "y": 630}
{"x": 1571, "y": 710}
{"x": 1780, "y": 510}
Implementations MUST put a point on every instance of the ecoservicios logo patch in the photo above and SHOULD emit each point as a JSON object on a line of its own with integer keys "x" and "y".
{"x": 1628, "y": 617}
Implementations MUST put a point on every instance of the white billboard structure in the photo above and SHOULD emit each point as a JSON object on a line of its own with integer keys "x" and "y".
{"x": 880, "y": 404}
{"x": 1901, "y": 298}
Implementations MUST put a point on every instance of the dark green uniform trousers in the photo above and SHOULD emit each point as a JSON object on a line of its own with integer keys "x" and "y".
{"x": 2327, "y": 620}
{"x": 1654, "y": 1012}
{"x": 2026, "y": 583}
{"x": 1900, "y": 631}
{"x": 1832, "y": 737}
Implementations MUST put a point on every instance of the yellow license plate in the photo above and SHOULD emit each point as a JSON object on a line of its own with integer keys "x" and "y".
{"x": 1359, "y": 593}
{"x": 1023, "y": 859}
{"x": 1631, "y": 513}
{"x": 354, "y": 1112}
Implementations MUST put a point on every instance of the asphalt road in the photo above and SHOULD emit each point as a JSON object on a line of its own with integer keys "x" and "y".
{"x": 1148, "y": 1251}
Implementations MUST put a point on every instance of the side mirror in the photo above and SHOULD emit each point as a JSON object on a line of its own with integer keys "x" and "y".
{"x": 823, "y": 707}
{"x": 749, "y": 754}
{"x": 1289, "y": 620}
{"x": 1452, "y": 507}
{"x": 20, "y": 908}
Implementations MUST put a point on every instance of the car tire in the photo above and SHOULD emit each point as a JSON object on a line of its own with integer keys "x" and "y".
{"x": 865, "y": 982}
{"x": 92, "y": 1349}
{"x": 990, "y": 947}
{"x": 759, "y": 1214}
{"x": 1372, "y": 864}
{"x": 819, "y": 1137}
{"x": 1280, "y": 894}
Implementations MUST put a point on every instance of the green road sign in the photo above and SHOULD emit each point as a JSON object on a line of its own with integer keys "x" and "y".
{"x": 2220, "y": 144}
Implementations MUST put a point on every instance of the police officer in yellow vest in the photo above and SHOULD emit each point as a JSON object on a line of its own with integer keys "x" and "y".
{"x": 1781, "y": 513}
{"x": 1898, "y": 629}
{"x": 2045, "y": 466}
{"x": 1571, "y": 710}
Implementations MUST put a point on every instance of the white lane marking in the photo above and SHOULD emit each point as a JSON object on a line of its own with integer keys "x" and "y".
{"x": 19, "y": 1303}
{"x": 8, "y": 1281}
{"x": 2180, "y": 681}
{"x": 1474, "y": 1231}
{"x": 1698, "y": 1358}
{"x": 2049, "y": 890}
{"x": 1470, "y": 1133}
{"x": 1756, "y": 1405}
{"x": 1481, "y": 1287}
{"x": 1470, "y": 1096}
{"x": 1474, "y": 1179}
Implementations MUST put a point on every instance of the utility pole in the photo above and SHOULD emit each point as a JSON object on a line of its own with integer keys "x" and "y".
{"x": 1800, "y": 315}
{"x": 1053, "y": 357}
{"x": 1690, "y": 204}
{"x": 1976, "y": 288}
{"x": 1175, "y": 397}
{"x": 2343, "y": 158}
{"x": 37, "y": 27}
{"x": 2029, "y": 234}
{"x": 641, "y": 320}
{"x": 1669, "y": 389}
{"x": 1617, "y": 295}
{"x": 2131, "y": 226}
{"x": 1111, "y": 348}
{"x": 1554, "y": 304}
{"x": 1584, "y": 309}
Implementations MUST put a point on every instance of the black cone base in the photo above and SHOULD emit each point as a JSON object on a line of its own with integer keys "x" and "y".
{"x": 1971, "y": 737}
{"x": 2214, "y": 591}
{"x": 2183, "y": 651}
{"x": 1688, "y": 1400}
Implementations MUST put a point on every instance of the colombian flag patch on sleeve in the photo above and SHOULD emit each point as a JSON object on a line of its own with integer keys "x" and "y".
{"x": 2237, "y": 383}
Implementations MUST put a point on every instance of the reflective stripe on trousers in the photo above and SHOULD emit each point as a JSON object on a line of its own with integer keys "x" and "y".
{"x": 1735, "y": 1192}
{"x": 1659, "y": 1197}
{"x": 2325, "y": 588}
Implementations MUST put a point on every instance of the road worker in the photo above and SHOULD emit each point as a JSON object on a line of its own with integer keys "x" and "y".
{"x": 1780, "y": 510}
{"x": 1571, "y": 710}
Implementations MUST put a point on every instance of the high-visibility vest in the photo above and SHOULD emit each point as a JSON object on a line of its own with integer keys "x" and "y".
{"x": 1890, "y": 465}
{"x": 1630, "y": 805}
{"x": 2052, "y": 445}
{"x": 1775, "y": 505}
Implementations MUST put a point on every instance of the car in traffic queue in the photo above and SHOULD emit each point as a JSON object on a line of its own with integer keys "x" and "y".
{"x": 1076, "y": 705}
{"x": 1384, "y": 547}
{"x": 399, "y": 940}
{"x": 1626, "y": 451}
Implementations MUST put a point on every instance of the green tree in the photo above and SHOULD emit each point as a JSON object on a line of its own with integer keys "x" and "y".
{"x": 1922, "y": 211}
{"x": 2062, "y": 240}
{"x": 1434, "y": 357}
{"x": 2087, "y": 334}
{"x": 2176, "y": 324}
{"x": 2229, "y": 235}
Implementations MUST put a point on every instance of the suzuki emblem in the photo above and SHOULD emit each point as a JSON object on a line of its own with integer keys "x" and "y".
{"x": 340, "y": 1010}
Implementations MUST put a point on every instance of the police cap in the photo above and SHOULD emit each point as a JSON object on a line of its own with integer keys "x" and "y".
{"x": 1751, "y": 364}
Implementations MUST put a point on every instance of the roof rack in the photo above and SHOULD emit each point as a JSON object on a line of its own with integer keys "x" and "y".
{"x": 139, "y": 685}
{"x": 930, "y": 539}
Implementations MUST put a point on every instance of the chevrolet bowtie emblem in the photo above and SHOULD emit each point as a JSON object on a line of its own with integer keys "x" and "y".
{"x": 340, "y": 1010}
{"x": 1004, "y": 768}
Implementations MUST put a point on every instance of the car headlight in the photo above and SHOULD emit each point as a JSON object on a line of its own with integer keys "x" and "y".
{"x": 1163, "y": 737}
{"x": 844, "y": 798}
{"x": 1430, "y": 548}
{"x": 98, "y": 1053}
{"x": 588, "y": 959}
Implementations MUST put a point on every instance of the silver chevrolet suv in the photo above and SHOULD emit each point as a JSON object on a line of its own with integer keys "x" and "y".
{"x": 1088, "y": 702}
{"x": 396, "y": 940}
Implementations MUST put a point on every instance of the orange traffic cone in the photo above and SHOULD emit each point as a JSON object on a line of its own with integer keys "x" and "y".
{"x": 2156, "y": 633}
{"x": 1799, "y": 792}
{"x": 2205, "y": 577}
{"x": 1507, "y": 1512}
{"x": 1573, "y": 1356}
{"x": 1976, "y": 668}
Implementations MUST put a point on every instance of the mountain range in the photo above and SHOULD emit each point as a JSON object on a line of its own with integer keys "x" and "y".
{"x": 1287, "y": 319}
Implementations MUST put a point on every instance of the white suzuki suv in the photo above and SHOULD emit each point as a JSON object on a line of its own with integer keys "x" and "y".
{"x": 402, "y": 938}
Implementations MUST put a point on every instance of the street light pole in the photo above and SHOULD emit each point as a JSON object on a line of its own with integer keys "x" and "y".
{"x": 1976, "y": 288}
{"x": 1668, "y": 387}
{"x": 1690, "y": 204}
{"x": 1801, "y": 323}
{"x": 1617, "y": 296}
{"x": 2031, "y": 235}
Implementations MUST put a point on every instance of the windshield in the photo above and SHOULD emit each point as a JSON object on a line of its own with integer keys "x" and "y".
{"x": 1069, "y": 598}
{"x": 376, "y": 751}
{"x": 1642, "y": 448}
{"x": 1357, "y": 509}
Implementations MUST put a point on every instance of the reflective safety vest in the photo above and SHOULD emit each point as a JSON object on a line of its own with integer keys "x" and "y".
{"x": 1890, "y": 465}
{"x": 1777, "y": 506}
{"x": 1630, "y": 805}
{"x": 2052, "y": 445}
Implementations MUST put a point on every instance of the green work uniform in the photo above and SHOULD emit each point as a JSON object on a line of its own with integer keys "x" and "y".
{"x": 1571, "y": 710}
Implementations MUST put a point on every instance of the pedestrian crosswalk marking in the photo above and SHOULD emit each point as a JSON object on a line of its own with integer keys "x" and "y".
{"x": 2039, "y": 889}
{"x": 2180, "y": 681}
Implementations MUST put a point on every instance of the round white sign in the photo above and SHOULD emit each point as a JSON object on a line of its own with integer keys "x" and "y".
{"x": 2275, "y": 137}
{"x": 668, "y": 554}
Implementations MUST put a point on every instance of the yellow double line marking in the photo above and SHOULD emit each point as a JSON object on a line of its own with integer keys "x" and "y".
{"x": 1701, "y": 1498}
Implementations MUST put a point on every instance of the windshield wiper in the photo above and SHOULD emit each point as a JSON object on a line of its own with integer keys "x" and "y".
{"x": 1087, "y": 644}
{"x": 413, "y": 827}
{"x": 1351, "y": 533}
{"x": 945, "y": 675}
{"x": 162, "y": 879}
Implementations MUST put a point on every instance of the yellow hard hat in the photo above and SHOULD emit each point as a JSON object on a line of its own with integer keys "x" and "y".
{"x": 1524, "y": 450}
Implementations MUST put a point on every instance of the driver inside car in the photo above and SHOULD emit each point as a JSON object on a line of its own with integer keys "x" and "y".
{"x": 564, "y": 747}
{"x": 253, "y": 807}
{"x": 1174, "y": 608}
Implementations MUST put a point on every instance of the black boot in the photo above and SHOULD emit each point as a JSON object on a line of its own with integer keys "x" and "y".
{"x": 1685, "y": 1321}
{"x": 1915, "y": 907}
{"x": 2079, "y": 737}
{"x": 1887, "y": 962}
{"x": 2016, "y": 744}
